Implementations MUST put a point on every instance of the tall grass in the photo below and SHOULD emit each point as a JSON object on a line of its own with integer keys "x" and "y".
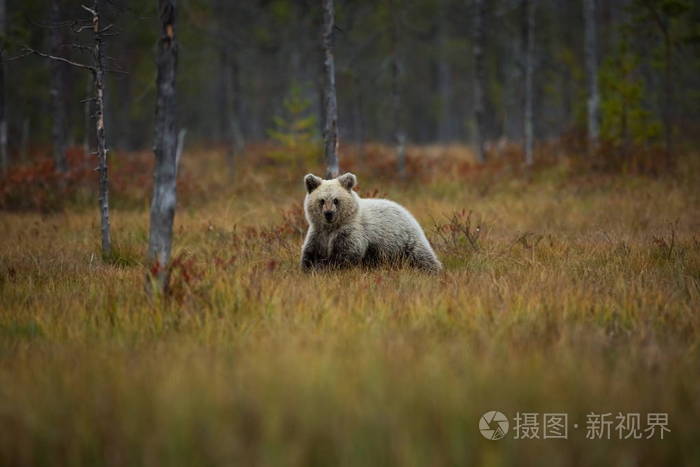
{"x": 564, "y": 291}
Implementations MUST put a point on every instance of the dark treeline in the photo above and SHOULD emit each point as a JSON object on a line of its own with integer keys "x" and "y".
{"x": 404, "y": 69}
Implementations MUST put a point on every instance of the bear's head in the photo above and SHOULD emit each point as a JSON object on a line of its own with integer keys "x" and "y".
{"x": 330, "y": 203}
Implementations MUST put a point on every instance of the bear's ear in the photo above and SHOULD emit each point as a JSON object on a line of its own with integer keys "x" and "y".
{"x": 312, "y": 182}
{"x": 347, "y": 181}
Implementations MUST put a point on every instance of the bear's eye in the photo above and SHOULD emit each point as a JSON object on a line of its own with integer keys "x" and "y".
{"x": 335, "y": 201}
{"x": 320, "y": 202}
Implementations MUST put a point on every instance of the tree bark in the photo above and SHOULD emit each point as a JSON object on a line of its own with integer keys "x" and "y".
{"x": 4, "y": 161}
{"x": 165, "y": 148}
{"x": 330, "y": 126}
{"x": 479, "y": 78}
{"x": 591, "y": 59}
{"x": 100, "y": 133}
{"x": 529, "y": 84}
{"x": 58, "y": 104}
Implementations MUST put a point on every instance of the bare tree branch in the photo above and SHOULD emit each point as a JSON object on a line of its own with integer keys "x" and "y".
{"x": 89, "y": 10}
{"x": 30, "y": 51}
{"x": 82, "y": 28}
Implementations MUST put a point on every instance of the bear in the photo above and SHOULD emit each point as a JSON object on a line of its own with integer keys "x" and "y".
{"x": 346, "y": 230}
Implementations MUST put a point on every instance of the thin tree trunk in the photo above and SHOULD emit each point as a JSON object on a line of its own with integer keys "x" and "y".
{"x": 236, "y": 108}
{"x": 623, "y": 132}
{"x": 231, "y": 121}
{"x": 180, "y": 147}
{"x": 100, "y": 133}
{"x": 479, "y": 78}
{"x": 58, "y": 104}
{"x": 88, "y": 113}
{"x": 514, "y": 96}
{"x": 667, "y": 106}
{"x": 398, "y": 134}
{"x": 529, "y": 71}
{"x": 330, "y": 126}
{"x": 4, "y": 161}
{"x": 24, "y": 140}
{"x": 443, "y": 78}
{"x": 668, "y": 101}
{"x": 225, "y": 101}
{"x": 591, "y": 59}
{"x": 165, "y": 148}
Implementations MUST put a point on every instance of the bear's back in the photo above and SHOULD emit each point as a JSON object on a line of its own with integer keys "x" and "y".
{"x": 388, "y": 226}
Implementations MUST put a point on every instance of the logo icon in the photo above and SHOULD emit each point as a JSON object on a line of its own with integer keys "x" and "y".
{"x": 493, "y": 425}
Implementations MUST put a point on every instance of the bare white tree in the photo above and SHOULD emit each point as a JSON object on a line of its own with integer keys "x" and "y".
{"x": 97, "y": 69}
{"x": 98, "y": 74}
{"x": 165, "y": 148}
{"x": 330, "y": 124}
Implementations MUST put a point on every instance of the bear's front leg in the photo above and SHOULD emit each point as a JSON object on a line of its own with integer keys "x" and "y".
{"x": 310, "y": 254}
{"x": 308, "y": 260}
{"x": 346, "y": 251}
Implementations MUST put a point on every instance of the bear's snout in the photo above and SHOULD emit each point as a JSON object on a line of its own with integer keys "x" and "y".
{"x": 328, "y": 215}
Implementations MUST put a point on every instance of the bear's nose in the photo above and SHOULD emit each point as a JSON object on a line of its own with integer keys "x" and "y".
{"x": 329, "y": 215}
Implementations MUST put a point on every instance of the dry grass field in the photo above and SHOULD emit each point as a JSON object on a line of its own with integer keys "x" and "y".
{"x": 565, "y": 291}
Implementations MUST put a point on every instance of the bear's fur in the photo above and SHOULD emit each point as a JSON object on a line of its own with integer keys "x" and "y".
{"x": 346, "y": 230}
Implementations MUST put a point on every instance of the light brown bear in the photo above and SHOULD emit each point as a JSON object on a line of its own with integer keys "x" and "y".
{"x": 346, "y": 230}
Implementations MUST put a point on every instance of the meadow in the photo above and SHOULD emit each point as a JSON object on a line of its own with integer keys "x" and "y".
{"x": 567, "y": 289}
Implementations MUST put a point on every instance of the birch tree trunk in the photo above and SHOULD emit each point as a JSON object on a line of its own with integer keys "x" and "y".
{"x": 529, "y": 72}
{"x": 330, "y": 114}
{"x": 165, "y": 148}
{"x": 4, "y": 161}
{"x": 591, "y": 59}
{"x": 98, "y": 76}
{"x": 58, "y": 104}
{"x": 479, "y": 77}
